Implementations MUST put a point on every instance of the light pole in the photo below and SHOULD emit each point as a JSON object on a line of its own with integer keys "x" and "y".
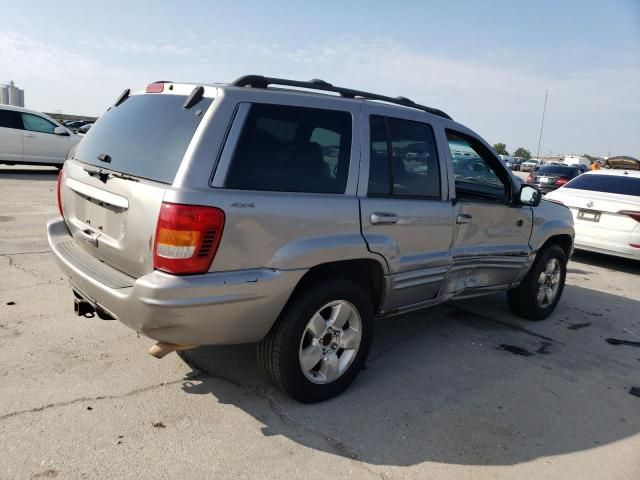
{"x": 544, "y": 110}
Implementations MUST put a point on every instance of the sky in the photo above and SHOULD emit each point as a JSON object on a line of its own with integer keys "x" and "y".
{"x": 487, "y": 64}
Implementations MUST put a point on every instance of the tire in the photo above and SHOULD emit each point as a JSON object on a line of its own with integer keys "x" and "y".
{"x": 524, "y": 299}
{"x": 282, "y": 353}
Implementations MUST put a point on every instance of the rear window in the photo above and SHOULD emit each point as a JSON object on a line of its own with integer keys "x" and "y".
{"x": 145, "y": 136}
{"x": 292, "y": 149}
{"x": 622, "y": 185}
{"x": 558, "y": 170}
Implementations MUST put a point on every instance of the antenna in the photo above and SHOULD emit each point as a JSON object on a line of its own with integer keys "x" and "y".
{"x": 544, "y": 110}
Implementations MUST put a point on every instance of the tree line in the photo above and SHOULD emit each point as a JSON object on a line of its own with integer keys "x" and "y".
{"x": 521, "y": 152}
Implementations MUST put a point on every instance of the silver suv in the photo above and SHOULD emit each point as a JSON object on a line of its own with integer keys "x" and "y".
{"x": 292, "y": 217}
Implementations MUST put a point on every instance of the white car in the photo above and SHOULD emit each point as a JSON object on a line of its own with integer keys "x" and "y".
{"x": 606, "y": 211}
{"x": 30, "y": 137}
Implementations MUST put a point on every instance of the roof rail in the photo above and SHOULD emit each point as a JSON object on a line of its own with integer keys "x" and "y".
{"x": 259, "y": 81}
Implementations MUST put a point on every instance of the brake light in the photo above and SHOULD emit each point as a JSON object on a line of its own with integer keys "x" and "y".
{"x": 553, "y": 200}
{"x": 59, "y": 192}
{"x": 634, "y": 245}
{"x": 187, "y": 238}
{"x": 561, "y": 181}
{"x": 155, "y": 87}
{"x": 530, "y": 178}
{"x": 631, "y": 213}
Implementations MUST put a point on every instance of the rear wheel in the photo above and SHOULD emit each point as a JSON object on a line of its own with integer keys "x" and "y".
{"x": 320, "y": 342}
{"x": 538, "y": 294}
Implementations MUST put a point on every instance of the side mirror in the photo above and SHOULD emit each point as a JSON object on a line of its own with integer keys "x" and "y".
{"x": 61, "y": 131}
{"x": 529, "y": 195}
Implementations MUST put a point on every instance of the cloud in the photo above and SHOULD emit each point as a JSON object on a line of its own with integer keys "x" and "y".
{"x": 56, "y": 78}
{"x": 500, "y": 95}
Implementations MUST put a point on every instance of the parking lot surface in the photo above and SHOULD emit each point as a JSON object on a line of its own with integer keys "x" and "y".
{"x": 464, "y": 390}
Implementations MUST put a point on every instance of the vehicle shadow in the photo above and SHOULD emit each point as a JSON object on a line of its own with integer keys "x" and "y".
{"x": 38, "y": 173}
{"x": 610, "y": 262}
{"x": 465, "y": 383}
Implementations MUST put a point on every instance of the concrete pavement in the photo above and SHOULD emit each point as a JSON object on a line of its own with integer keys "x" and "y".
{"x": 459, "y": 391}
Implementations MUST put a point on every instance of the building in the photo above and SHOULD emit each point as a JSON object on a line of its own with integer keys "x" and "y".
{"x": 11, "y": 95}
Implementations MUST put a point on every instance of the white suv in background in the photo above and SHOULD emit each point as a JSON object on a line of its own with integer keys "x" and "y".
{"x": 30, "y": 137}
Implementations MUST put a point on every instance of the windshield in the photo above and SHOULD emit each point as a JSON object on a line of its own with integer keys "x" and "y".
{"x": 620, "y": 184}
{"x": 145, "y": 136}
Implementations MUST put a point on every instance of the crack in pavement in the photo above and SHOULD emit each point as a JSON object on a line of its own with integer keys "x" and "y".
{"x": 22, "y": 253}
{"x": 336, "y": 445}
{"x": 506, "y": 324}
{"x": 93, "y": 399}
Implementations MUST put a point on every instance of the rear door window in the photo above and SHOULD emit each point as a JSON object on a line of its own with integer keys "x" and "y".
{"x": 9, "y": 119}
{"x": 146, "y": 135}
{"x": 618, "y": 184}
{"x": 292, "y": 149}
{"x": 403, "y": 159}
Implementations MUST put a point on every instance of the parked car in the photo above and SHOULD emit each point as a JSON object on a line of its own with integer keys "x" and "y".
{"x": 198, "y": 222}
{"x": 580, "y": 167}
{"x": 549, "y": 177}
{"x": 511, "y": 163}
{"x": 76, "y": 125}
{"x": 606, "y": 209}
{"x": 530, "y": 165}
{"x": 30, "y": 137}
{"x": 85, "y": 128}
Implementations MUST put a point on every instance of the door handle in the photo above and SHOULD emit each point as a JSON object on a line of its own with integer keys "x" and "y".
{"x": 29, "y": 135}
{"x": 383, "y": 218}
{"x": 463, "y": 218}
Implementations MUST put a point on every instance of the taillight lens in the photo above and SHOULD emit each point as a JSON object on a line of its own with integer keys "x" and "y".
{"x": 556, "y": 201}
{"x": 561, "y": 181}
{"x": 187, "y": 238}
{"x": 633, "y": 214}
{"x": 530, "y": 178}
{"x": 155, "y": 88}
{"x": 59, "y": 192}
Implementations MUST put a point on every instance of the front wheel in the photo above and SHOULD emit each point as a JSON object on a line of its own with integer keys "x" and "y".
{"x": 539, "y": 292}
{"x": 321, "y": 340}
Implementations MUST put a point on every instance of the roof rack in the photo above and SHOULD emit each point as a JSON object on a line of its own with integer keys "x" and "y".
{"x": 258, "y": 81}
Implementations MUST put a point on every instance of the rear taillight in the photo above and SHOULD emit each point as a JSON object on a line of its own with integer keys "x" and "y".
{"x": 59, "y": 192}
{"x": 530, "y": 178}
{"x": 553, "y": 200}
{"x": 561, "y": 181}
{"x": 633, "y": 214}
{"x": 187, "y": 238}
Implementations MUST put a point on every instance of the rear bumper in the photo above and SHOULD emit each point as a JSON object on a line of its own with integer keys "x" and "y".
{"x": 607, "y": 241}
{"x": 210, "y": 309}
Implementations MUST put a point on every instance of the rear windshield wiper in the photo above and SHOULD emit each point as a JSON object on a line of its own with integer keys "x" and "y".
{"x": 104, "y": 175}
{"x": 124, "y": 176}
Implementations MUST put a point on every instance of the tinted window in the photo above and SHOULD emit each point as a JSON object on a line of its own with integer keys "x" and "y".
{"x": 553, "y": 169}
{"x": 292, "y": 149}
{"x": 9, "y": 119}
{"x": 35, "y": 123}
{"x": 379, "y": 178}
{"x": 145, "y": 136}
{"x": 622, "y": 185}
{"x": 474, "y": 167}
{"x": 403, "y": 158}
